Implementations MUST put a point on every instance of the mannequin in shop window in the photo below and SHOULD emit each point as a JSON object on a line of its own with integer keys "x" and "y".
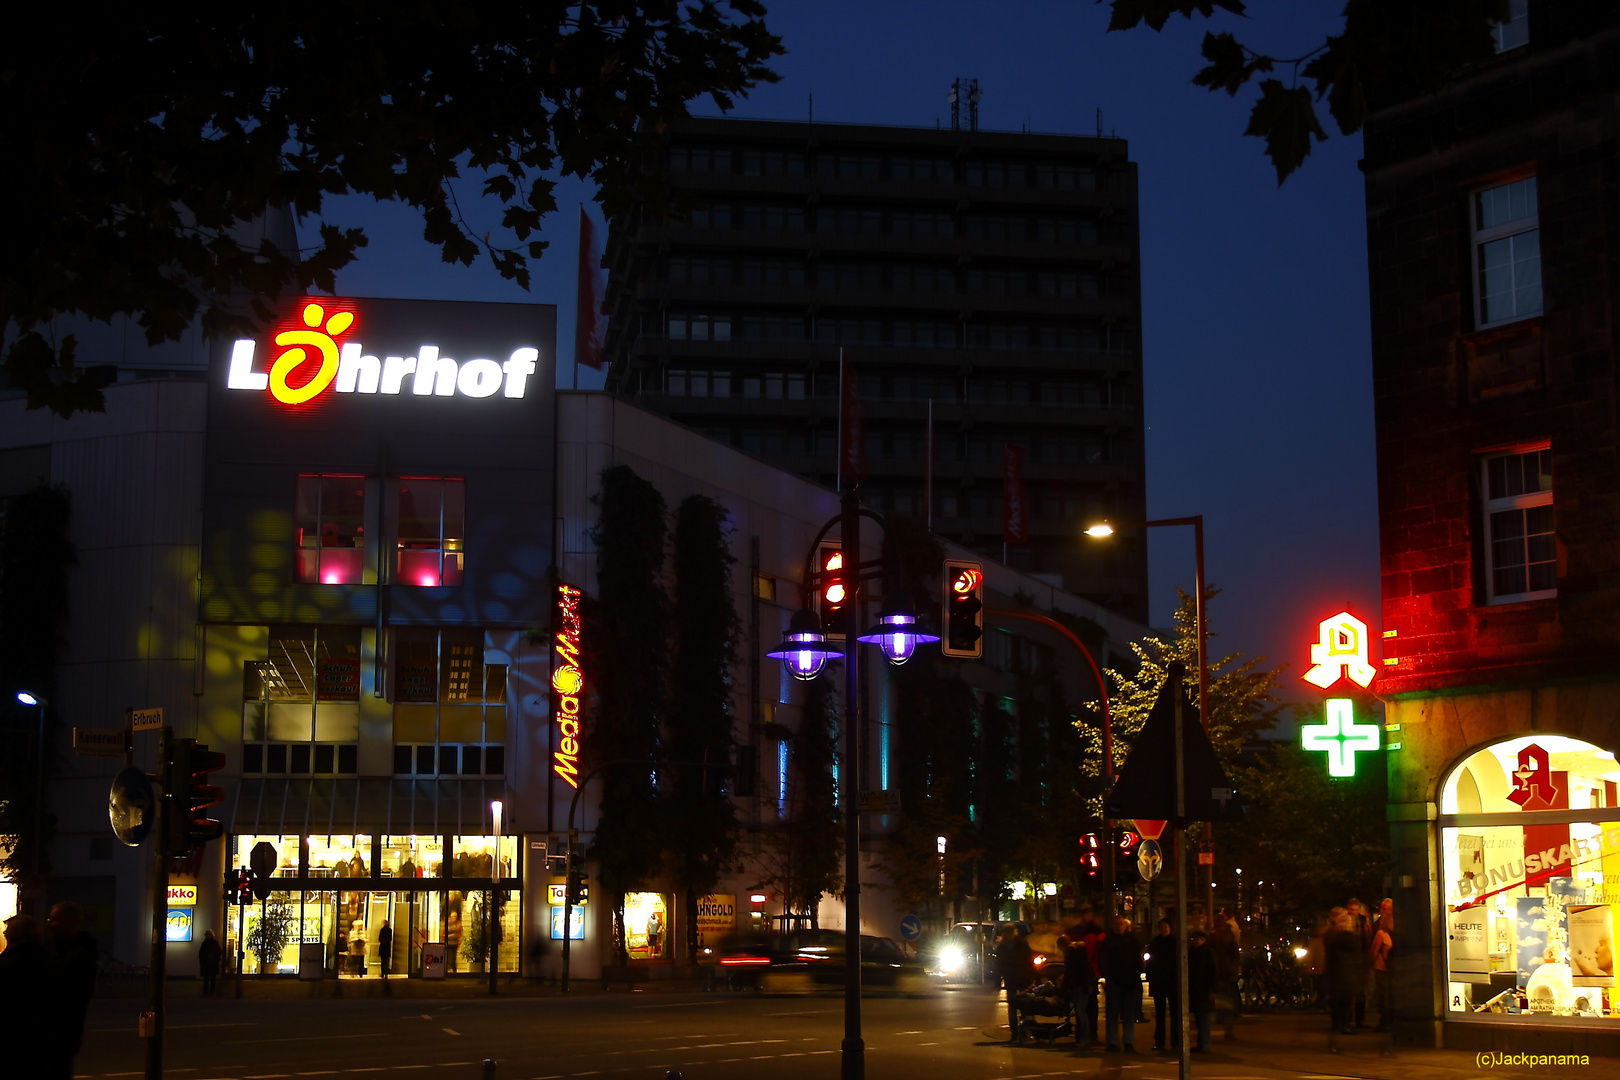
{"x": 452, "y": 934}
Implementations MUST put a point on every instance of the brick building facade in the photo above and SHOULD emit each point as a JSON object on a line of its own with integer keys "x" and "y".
{"x": 1493, "y": 210}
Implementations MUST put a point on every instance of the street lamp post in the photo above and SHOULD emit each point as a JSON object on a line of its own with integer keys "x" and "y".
{"x": 805, "y": 651}
{"x": 34, "y": 862}
{"x": 1102, "y": 530}
{"x": 493, "y": 908}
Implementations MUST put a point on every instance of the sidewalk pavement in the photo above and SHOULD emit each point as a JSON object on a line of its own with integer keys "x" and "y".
{"x": 282, "y": 988}
{"x": 1298, "y": 1044}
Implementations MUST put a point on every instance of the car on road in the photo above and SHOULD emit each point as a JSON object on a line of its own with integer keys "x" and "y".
{"x": 808, "y": 961}
{"x": 966, "y": 954}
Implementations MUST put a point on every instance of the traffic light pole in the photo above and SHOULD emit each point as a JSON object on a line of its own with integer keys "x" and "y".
{"x": 849, "y": 536}
{"x": 241, "y": 936}
{"x": 160, "y": 914}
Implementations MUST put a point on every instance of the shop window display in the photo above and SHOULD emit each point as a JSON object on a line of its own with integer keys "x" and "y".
{"x": 646, "y": 926}
{"x": 330, "y": 519}
{"x": 1530, "y": 886}
{"x": 430, "y": 530}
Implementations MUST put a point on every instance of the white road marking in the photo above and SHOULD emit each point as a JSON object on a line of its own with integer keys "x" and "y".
{"x": 450, "y": 1031}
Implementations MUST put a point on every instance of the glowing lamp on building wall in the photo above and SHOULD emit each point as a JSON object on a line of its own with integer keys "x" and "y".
{"x": 804, "y": 647}
{"x": 1340, "y": 652}
{"x": 896, "y": 631}
{"x": 1341, "y": 738}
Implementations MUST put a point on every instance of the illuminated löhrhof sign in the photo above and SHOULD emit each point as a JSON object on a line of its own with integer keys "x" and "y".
{"x": 309, "y": 357}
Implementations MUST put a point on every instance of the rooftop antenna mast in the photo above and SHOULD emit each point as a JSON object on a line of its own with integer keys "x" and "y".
{"x": 964, "y": 89}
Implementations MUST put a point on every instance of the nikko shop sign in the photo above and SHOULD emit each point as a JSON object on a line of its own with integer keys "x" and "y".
{"x": 1340, "y": 654}
{"x": 319, "y": 350}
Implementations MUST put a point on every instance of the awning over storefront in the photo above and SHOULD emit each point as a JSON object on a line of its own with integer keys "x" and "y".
{"x": 326, "y": 806}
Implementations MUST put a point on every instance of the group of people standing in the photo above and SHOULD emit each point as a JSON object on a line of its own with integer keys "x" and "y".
{"x": 46, "y": 981}
{"x": 1116, "y": 956}
{"x": 1349, "y": 959}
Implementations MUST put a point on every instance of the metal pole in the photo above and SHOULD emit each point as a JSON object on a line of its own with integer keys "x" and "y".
{"x": 854, "y": 1047}
{"x": 160, "y": 912}
{"x": 568, "y": 900}
{"x": 1203, "y": 700}
{"x": 241, "y": 935}
{"x": 39, "y": 806}
{"x": 1183, "y": 995}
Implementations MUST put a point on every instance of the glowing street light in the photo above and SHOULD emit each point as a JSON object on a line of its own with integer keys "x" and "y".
{"x": 896, "y": 631}
{"x": 804, "y": 647}
{"x": 1100, "y": 530}
{"x": 26, "y": 698}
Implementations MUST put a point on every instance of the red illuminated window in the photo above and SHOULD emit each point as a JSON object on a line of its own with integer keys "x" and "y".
{"x": 430, "y": 533}
{"x": 330, "y": 519}
{"x": 1520, "y": 550}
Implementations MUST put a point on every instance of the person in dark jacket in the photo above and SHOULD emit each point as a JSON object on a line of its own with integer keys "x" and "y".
{"x": 385, "y": 947}
{"x": 23, "y": 978}
{"x": 1079, "y": 984}
{"x": 209, "y": 955}
{"x": 1345, "y": 961}
{"x": 1121, "y": 969}
{"x": 1091, "y": 936}
{"x": 1015, "y": 963}
{"x": 1202, "y": 978}
{"x": 1161, "y": 976}
{"x": 71, "y": 982}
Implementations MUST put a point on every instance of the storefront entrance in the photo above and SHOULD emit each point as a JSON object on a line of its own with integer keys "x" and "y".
{"x": 335, "y": 902}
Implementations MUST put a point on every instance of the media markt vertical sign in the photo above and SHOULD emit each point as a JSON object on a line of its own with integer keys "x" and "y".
{"x": 568, "y": 685}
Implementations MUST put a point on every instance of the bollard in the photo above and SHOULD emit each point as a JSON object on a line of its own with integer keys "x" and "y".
{"x": 489, "y": 1069}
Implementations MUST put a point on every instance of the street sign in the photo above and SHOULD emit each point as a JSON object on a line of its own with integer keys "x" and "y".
{"x": 1206, "y": 854}
{"x": 557, "y": 895}
{"x": 1149, "y": 859}
{"x": 182, "y": 896}
{"x": 132, "y": 806}
{"x": 263, "y": 860}
{"x": 881, "y": 802}
{"x": 1150, "y": 829}
{"x": 910, "y": 928}
{"x": 98, "y": 742}
{"x": 146, "y": 719}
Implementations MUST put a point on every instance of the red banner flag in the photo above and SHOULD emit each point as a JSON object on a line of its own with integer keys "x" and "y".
{"x": 1015, "y": 512}
{"x": 588, "y": 315}
{"x": 851, "y": 432}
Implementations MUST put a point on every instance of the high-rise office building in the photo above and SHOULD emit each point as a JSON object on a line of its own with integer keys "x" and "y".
{"x": 987, "y": 282}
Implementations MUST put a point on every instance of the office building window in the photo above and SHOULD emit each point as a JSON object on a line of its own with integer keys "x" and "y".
{"x": 921, "y": 170}
{"x": 773, "y": 163}
{"x": 1065, "y": 178}
{"x": 330, "y": 518}
{"x": 1507, "y": 253}
{"x": 431, "y": 531}
{"x": 1004, "y": 174}
{"x": 921, "y": 223}
{"x": 772, "y": 272}
{"x": 700, "y": 159}
{"x": 687, "y": 270}
{"x": 850, "y": 276}
{"x": 301, "y": 705}
{"x": 449, "y": 695}
{"x": 1520, "y": 552}
{"x": 686, "y": 326}
{"x": 772, "y": 218}
{"x": 770, "y": 328}
{"x": 1515, "y": 31}
{"x": 717, "y": 216}
{"x": 849, "y": 166}
{"x": 849, "y": 331}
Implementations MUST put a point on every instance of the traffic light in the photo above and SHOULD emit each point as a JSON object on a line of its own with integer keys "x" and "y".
{"x": 1091, "y": 856}
{"x": 238, "y": 886}
{"x": 1126, "y": 841}
{"x": 963, "y": 613}
{"x": 187, "y": 823}
{"x": 578, "y": 891}
{"x": 831, "y": 588}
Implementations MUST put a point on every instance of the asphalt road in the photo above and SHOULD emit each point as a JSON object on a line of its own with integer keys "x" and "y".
{"x": 957, "y": 1033}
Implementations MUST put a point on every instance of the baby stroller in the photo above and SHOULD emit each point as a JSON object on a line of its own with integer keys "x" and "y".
{"x": 1045, "y": 1012}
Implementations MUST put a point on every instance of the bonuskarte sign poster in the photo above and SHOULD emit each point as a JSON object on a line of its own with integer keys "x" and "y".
{"x": 1469, "y": 951}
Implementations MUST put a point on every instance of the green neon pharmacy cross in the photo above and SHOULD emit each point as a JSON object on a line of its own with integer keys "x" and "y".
{"x": 1341, "y": 737}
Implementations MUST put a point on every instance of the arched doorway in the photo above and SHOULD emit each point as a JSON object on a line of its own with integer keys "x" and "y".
{"x": 1530, "y": 850}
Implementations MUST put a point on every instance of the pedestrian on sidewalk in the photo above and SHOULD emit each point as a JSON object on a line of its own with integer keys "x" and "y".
{"x": 1202, "y": 979}
{"x": 1344, "y": 971}
{"x": 1121, "y": 969}
{"x": 1161, "y": 977}
{"x": 1223, "y": 948}
{"x": 385, "y": 947}
{"x": 1015, "y": 963}
{"x": 1383, "y": 944}
{"x": 1091, "y": 934}
{"x": 209, "y": 955}
{"x": 1361, "y": 925}
{"x": 1079, "y": 984}
{"x": 71, "y": 982}
{"x": 22, "y": 996}
{"x": 1316, "y": 964}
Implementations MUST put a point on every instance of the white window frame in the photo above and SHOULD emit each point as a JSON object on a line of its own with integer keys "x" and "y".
{"x": 1482, "y": 236}
{"x": 1491, "y": 506}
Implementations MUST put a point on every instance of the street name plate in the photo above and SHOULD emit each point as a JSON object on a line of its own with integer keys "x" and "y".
{"x": 98, "y": 742}
{"x": 146, "y": 719}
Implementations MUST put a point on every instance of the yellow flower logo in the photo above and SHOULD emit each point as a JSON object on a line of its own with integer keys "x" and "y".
{"x": 297, "y": 343}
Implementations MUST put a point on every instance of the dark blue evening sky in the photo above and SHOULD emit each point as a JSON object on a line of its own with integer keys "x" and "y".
{"x": 1256, "y": 344}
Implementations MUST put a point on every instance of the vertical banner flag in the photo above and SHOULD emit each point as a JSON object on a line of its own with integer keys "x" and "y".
{"x": 1015, "y": 512}
{"x": 851, "y": 432}
{"x": 588, "y": 316}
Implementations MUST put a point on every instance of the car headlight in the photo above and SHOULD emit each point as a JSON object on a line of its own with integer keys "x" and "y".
{"x": 951, "y": 960}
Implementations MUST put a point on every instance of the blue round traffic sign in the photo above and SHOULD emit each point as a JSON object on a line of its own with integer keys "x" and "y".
{"x": 132, "y": 806}
{"x": 911, "y": 928}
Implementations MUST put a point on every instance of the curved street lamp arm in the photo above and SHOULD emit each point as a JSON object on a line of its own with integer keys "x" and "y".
{"x": 1096, "y": 673}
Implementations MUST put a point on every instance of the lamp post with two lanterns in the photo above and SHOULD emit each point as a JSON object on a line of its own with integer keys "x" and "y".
{"x": 805, "y": 650}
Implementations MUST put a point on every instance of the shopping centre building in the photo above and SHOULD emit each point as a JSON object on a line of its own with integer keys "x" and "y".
{"x": 356, "y": 587}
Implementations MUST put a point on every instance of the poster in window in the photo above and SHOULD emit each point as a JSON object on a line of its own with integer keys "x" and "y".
{"x": 1471, "y": 858}
{"x": 716, "y": 918}
{"x": 416, "y": 669}
{"x": 1591, "y": 944}
{"x": 1467, "y": 949}
{"x": 338, "y": 678}
{"x": 462, "y": 675}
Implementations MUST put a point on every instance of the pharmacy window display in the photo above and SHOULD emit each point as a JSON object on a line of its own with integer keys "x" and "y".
{"x": 646, "y": 926}
{"x": 1530, "y": 839}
